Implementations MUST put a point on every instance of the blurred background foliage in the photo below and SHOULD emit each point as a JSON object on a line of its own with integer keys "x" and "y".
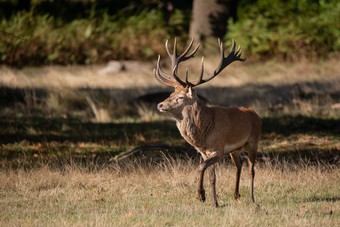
{"x": 40, "y": 32}
{"x": 288, "y": 29}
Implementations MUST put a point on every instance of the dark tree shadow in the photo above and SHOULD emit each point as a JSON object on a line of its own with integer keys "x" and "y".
{"x": 41, "y": 129}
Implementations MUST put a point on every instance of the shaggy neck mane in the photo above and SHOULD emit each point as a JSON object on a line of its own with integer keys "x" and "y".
{"x": 194, "y": 123}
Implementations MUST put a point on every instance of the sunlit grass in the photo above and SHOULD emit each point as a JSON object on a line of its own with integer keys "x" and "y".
{"x": 165, "y": 194}
{"x": 62, "y": 129}
{"x": 237, "y": 74}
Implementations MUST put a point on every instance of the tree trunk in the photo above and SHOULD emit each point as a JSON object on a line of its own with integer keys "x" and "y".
{"x": 210, "y": 17}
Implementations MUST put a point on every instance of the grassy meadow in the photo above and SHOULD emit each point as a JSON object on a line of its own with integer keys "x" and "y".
{"x": 63, "y": 129}
{"x": 165, "y": 195}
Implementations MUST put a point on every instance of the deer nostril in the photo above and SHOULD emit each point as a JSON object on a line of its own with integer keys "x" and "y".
{"x": 159, "y": 106}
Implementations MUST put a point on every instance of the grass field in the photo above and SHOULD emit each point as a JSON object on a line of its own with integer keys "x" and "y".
{"x": 61, "y": 129}
{"x": 165, "y": 195}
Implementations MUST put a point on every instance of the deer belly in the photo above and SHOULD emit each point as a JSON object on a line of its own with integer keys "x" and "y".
{"x": 233, "y": 146}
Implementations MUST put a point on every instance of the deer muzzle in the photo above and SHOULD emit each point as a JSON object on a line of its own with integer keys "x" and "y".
{"x": 161, "y": 108}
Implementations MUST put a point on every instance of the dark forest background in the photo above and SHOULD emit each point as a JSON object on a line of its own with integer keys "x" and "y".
{"x": 40, "y": 32}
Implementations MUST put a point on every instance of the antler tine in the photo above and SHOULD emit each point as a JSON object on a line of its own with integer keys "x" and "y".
{"x": 202, "y": 71}
{"x": 238, "y": 48}
{"x": 238, "y": 53}
{"x": 175, "y": 60}
{"x": 183, "y": 56}
{"x": 233, "y": 46}
{"x": 160, "y": 78}
{"x": 164, "y": 74}
{"x": 173, "y": 57}
{"x": 167, "y": 48}
{"x": 224, "y": 62}
{"x": 180, "y": 82}
{"x": 174, "y": 52}
{"x": 161, "y": 72}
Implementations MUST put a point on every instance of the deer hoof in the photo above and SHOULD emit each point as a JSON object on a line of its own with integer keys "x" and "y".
{"x": 237, "y": 196}
{"x": 201, "y": 195}
{"x": 215, "y": 204}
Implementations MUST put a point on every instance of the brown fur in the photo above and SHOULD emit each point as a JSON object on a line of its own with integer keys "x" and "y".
{"x": 192, "y": 128}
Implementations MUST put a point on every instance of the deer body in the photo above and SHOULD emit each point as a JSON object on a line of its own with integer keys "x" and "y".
{"x": 213, "y": 131}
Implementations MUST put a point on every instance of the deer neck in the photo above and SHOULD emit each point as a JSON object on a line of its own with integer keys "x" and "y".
{"x": 194, "y": 123}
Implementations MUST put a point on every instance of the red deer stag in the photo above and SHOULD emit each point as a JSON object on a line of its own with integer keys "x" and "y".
{"x": 213, "y": 131}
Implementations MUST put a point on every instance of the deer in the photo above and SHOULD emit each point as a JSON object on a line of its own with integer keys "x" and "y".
{"x": 214, "y": 131}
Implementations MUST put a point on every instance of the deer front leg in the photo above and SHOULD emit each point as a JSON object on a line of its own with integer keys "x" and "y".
{"x": 235, "y": 157}
{"x": 203, "y": 166}
{"x": 212, "y": 179}
{"x": 201, "y": 192}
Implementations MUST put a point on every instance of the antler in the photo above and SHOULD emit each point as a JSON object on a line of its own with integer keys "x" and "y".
{"x": 224, "y": 62}
{"x": 166, "y": 79}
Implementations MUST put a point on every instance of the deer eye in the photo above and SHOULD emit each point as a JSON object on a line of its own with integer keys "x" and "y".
{"x": 180, "y": 97}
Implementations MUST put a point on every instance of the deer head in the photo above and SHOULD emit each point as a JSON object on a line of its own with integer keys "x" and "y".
{"x": 181, "y": 97}
{"x": 184, "y": 93}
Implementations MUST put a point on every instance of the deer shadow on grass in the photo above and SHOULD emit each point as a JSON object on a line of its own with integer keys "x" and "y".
{"x": 40, "y": 129}
{"x": 63, "y": 134}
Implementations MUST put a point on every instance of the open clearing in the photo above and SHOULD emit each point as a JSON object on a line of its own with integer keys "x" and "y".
{"x": 286, "y": 195}
{"x": 61, "y": 129}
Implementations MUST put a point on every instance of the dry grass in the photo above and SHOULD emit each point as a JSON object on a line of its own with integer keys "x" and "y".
{"x": 286, "y": 195}
{"x": 74, "y": 77}
{"x": 267, "y": 87}
{"x": 237, "y": 74}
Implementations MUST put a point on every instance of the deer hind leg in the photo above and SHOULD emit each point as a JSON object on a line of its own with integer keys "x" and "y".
{"x": 252, "y": 151}
{"x": 235, "y": 157}
{"x": 212, "y": 179}
{"x": 203, "y": 166}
